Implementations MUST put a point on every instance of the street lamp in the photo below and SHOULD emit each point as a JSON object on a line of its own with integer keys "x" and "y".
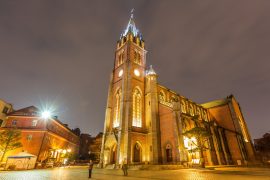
{"x": 46, "y": 114}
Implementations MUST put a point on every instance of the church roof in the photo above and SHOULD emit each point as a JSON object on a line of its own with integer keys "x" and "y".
{"x": 28, "y": 111}
{"x": 215, "y": 103}
{"x": 131, "y": 27}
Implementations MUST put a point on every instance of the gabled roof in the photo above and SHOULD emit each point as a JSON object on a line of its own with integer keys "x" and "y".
{"x": 28, "y": 111}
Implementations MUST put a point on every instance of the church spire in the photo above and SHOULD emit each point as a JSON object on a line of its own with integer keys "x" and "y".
{"x": 131, "y": 27}
{"x": 131, "y": 33}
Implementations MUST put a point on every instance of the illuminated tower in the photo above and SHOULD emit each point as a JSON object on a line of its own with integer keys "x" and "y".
{"x": 126, "y": 131}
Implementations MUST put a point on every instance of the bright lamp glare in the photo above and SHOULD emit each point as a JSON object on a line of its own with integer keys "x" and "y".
{"x": 46, "y": 114}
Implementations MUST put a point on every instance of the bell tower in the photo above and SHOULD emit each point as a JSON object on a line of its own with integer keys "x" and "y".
{"x": 125, "y": 128}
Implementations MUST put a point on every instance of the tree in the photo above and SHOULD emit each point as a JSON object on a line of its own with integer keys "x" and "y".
{"x": 9, "y": 140}
{"x": 202, "y": 135}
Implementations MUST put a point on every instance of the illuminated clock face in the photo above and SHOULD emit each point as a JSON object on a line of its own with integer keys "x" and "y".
{"x": 137, "y": 72}
{"x": 120, "y": 73}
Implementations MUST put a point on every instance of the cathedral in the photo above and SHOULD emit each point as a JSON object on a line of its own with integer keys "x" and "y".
{"x": 147, "y": 123}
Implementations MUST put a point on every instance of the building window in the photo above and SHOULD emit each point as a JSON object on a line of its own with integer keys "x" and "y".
{"x": 205, "y": 115}
{"x": 34, "y": 123}
{"x": 14, "y": 122}
{"x": 120, "y": 58}
{"x": 5, "y": 110}
{"x": 137, "y": 108}
{"x": 183, "y": 107}
{"x": 137, "y": 57}
{"x": 29, "y": 137}
{"x": 161, "y": 96}
{"x": 243, "y": 129}
{"x": 191, "y": 110}
{"x": 116, "y": 121}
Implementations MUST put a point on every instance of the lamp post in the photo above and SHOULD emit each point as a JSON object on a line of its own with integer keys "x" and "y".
{"x": 45, "y": 115}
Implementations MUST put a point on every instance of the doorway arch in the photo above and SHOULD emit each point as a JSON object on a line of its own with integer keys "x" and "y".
{"x": 113, "y": 154}
{"x": 137, "y": 153}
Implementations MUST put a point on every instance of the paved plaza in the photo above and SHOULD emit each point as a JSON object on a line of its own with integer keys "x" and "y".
{"x": 81, "y": 173}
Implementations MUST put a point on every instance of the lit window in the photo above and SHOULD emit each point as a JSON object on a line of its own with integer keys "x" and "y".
{"x": 34, "y": 122}
{"x": 183, "y": 106}
{"x": 137, "y": 108}
{"x": 191, "y": 110}
{"x": 161, "y": 96}
{"x": 116, "y": 121}
{"x": 243, "y": 129}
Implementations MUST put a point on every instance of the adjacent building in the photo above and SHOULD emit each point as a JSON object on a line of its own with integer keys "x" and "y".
{"x": 48, "y": 139}
{"x": 5, "y": 108}
{"x": 145, "y": 121}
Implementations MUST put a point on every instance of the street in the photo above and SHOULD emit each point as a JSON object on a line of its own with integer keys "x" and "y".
{"x": 81, "y": 173}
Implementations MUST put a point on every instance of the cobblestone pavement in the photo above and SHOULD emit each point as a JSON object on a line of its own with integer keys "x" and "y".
{"x": 81, "y": 173}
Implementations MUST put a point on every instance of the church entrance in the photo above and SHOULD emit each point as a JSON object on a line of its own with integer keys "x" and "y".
{"x": 113, "y": 154}
{"x": 137, "y": 153}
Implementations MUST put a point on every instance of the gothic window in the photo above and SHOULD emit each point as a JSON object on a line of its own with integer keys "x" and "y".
{"x": 137, "y": 57}
{"x": 243, "y": 129}
{"x": 120, "y": 58}
{"x": 198, "y": 112}
{"x": 183, "y": 106}
{"x": 191, "y": 110}
{"x": 161, "y": 96}
{"x": 116, "y": 120}
{"x": 137, "y": 108}
{"x": 204, "y": 115}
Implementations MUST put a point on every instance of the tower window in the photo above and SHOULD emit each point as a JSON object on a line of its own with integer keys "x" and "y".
{"x": 137, "y": 108}
{"x": 116, "y": 120}
{"x": 137, "y": 57}
{"x": 120, "y": 58}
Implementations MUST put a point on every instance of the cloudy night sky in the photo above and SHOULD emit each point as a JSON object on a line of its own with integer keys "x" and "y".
{"x": 61, "y": 53}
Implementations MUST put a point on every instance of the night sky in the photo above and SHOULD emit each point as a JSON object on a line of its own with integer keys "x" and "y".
{"x": 61, "y": 53}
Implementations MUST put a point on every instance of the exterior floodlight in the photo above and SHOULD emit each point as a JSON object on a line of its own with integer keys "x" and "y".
{"x": 69, "y": 150}
{"x": 46, "y": 114}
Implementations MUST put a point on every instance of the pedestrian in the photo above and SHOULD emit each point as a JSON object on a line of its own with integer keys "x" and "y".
{"x": 125, "y": 167}
{"x": 91, "y": 164}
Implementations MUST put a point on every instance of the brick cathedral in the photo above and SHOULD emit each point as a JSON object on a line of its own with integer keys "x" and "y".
{"x": 145, "y": 121}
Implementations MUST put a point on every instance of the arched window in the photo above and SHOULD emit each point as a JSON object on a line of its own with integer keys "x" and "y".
{"x": 183, "y": 107}
{"x": 120, "y": 58}
{"x": 137, "y": 108}
{"x": 161, "y": 96}
{"x": 204, "y": 115}
{"x": 243, "y": 129}
{"x": 137, "y": 57}
{"x": 116, "y": 117}
{"x": 191, "y": 110}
